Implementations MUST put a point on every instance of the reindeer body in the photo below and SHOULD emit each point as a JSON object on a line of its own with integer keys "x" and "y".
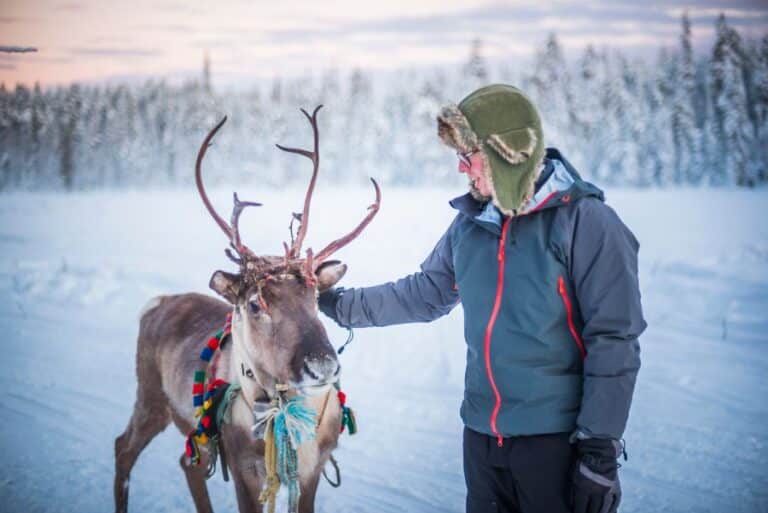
{"x": 278, "y": 348}
{"x": 171, "y": 335}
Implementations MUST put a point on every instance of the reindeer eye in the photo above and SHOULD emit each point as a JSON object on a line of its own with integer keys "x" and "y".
{"x": 254, "y": 305}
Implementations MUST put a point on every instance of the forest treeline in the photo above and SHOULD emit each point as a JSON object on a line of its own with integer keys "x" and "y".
{"x": 681, "y": 118}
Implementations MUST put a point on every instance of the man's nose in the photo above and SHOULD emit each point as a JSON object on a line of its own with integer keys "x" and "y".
{"x": 463, "y": 168}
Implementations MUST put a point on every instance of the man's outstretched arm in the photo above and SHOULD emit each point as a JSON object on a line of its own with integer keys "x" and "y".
{"x": 421, "y": 297}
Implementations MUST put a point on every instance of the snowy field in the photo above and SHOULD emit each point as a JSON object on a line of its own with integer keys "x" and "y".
{"x": 75, "y": 269}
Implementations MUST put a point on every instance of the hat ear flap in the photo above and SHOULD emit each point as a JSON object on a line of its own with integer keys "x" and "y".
{"x": 514, "y": 146}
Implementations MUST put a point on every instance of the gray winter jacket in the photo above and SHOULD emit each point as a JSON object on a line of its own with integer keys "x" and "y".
{"x": 551, "y": 304}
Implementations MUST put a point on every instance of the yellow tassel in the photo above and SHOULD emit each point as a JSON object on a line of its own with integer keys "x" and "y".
{"x": 269, "y": 493}
{"x": 198, "y": 411}
{"x": 202, "y": 439}
{"x": 207, "y": 404}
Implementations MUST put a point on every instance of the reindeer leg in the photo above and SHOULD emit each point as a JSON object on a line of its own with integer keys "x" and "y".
{"x": 144, "y": 425}
{"x": 247, "y": 490}
{"x": 196, "y": 480}
{"x": 245, "y": 460}
{"x": 308, "y": 492}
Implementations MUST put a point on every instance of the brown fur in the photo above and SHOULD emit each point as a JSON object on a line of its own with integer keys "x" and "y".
{"x": 455, "y": 131}
{"x": 171, "y": 335}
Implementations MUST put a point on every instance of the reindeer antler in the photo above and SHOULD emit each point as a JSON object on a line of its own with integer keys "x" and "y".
{"x": 295, "y": 249}
{"x": 232, "y": 231}
{"x": 293, "y": 252}
{"x": 244, "y": 255}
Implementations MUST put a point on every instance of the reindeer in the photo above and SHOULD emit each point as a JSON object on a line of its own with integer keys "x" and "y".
{"x": 277, "y": 342}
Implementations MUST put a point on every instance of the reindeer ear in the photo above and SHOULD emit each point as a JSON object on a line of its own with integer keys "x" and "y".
{"x": 329, "y": 273}
{"x": 226, "y": 285}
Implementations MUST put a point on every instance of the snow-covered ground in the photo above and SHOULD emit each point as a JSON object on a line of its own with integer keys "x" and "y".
{"x": 75, "y": 270}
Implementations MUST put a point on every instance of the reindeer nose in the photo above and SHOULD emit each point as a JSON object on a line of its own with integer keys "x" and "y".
{"x": 324, "y": 369}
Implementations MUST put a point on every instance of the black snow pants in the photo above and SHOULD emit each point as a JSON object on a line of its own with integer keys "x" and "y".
{"x": 528, "y": 474}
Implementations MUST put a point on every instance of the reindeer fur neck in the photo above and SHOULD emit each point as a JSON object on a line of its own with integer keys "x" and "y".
{"x": 256, "y": 384}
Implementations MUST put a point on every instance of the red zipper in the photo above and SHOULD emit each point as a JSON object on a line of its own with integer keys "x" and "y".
{"x": 569, "y": 312}
{"x": 489, "y": 331}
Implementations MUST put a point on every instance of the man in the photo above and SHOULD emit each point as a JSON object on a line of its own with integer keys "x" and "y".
{"x": 547, "y": 276}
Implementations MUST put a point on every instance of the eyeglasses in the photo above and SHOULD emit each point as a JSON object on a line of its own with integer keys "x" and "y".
{"x": 464, "y": 157}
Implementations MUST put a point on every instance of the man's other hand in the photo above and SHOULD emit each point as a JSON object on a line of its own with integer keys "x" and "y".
{"x": 595, "y": 481}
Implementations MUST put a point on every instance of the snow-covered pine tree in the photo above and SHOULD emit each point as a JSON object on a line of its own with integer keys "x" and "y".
{"x": 729, "y": 99}
{"x": 586, "y": 112}
{"x": 475, "y": 70}
{"x": 761, "y": 105}
{"x": 552, "y": 91}
{"x": 684, "y": 130}
{"x": 69, "y": 135}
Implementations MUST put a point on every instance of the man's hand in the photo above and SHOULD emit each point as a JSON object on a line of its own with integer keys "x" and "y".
{"x": 327, "y": 302}
{"x": 595, "y": 482}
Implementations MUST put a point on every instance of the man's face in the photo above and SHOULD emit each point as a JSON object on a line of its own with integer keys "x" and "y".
{"x": 475, "y": 173}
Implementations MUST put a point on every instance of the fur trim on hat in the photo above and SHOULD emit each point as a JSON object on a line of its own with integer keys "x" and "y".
{"x": 512, "y": 155}
{"x": 455, "y": 131}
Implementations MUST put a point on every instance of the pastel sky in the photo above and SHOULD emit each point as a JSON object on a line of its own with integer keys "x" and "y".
{"x": 92, "y": 40}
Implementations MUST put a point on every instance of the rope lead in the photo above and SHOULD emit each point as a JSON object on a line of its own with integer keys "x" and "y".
{"x": 350, "y": 336}
{"x": 335, "y": 464}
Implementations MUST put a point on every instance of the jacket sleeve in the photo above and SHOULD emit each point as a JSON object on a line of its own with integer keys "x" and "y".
{"x": 421, "y": 297}
{"x": 604, "y": 273}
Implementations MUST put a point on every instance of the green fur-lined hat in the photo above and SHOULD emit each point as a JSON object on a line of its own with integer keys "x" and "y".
{"x": 502, "y": 122}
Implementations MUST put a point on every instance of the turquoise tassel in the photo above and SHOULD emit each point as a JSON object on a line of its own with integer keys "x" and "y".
{"x": 294, "y": 424}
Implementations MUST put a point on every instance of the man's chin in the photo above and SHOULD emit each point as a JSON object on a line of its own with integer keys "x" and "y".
{"x": 479, "y": 196}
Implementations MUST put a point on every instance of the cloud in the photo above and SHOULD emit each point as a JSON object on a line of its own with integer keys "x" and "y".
{"x": 70, "y": 7}
{"x": 12, "y": 20}
{"x": 173, "y": 28}
{"x": 583, "y": 17}
{"x": 115, "y": 52}
{"x": 55, "y": 60}
{"x": 752, "y": 5}
{"x": 217, "y": 42}
{"x": 178, "y": 8}
{"x": 734, "y": 20}
{"x": 17, "y": 49}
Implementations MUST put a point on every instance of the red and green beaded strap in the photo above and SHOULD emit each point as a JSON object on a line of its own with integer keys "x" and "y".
{"x": 202, "y": 399}
{"x": 199, "y": 395}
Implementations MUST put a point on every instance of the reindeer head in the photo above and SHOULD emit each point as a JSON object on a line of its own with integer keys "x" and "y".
{"x": 276, "y": 330}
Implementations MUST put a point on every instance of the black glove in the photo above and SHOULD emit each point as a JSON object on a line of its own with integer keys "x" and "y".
{"x": 595, "y": 486}
{"x": 327, "y": 301}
